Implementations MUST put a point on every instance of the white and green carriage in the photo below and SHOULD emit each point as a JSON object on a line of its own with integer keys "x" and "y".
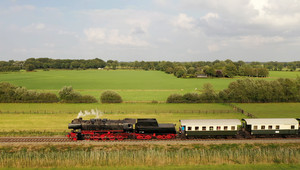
{"x": 203, "y": 128}
{"x": 271, "y": 126}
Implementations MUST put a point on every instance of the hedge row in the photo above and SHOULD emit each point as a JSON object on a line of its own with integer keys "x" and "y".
{"x": 12, "y": 94}
{"x": 246, "y": 91}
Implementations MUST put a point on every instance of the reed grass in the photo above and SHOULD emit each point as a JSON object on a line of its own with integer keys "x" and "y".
{"x": 56, "y": 156}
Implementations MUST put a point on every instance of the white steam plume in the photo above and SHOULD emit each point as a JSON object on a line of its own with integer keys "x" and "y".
{"x": 96, "y": 113}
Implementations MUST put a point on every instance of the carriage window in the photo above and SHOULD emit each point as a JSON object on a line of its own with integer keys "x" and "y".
{"x": 189, "y": 128}
{"x": 197, "y": 128}
{"x": 270, "y": 127}
{"x": 211, "y": 128}
{"x": 277, "y": 126}
{"x": 204, "y": 128}
{"x": 218, "y": 127}
{"x": 225, "y": 127}
{"x": 262, "y": 127}
{"x": 293, "y": 127}
{"x": 255, "y": 127}
{"x": 232, "y": 127}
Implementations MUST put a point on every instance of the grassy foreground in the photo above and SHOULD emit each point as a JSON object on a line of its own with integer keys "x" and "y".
{"x": 184, "y": 167}
{"x": 56, "y": 156}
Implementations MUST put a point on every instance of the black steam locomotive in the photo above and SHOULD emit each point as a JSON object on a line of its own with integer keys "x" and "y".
{"x": 105, "y": 129}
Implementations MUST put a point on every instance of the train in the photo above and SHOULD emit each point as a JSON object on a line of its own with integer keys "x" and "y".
{"x": 149, "y": 128}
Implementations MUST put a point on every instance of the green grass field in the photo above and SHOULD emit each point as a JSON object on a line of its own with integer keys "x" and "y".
{"x": 132, "y": 85}
{"x": 265, "y": 110}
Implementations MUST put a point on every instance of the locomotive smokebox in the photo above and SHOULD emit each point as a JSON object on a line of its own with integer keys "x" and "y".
{"x": 74, "y": 126}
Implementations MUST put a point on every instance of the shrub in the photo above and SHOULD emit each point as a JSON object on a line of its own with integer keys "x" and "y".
{"x": 110, "y": 97}
{"x": 191, "y": 98}
{"x": 175, "y": 98}
{"x": 47, "y": 98}
{"x": 68, "y": 95}
{"x": 12, "y": 94}
{"x": 154, "y": 101}
{"x": 7, "y": 92}
{"x": 88, "y": 99}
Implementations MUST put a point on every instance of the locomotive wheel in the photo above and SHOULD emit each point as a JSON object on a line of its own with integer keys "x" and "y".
{"x": 120, "y": 137}
{"x": 148, "y": 137}
{"x": 139, "y": 137}
{"x": 103, "y": 137}
{"x": 169, "y": 136}
{"x": 162, "y": 137}
{"x": 111, "y": 137}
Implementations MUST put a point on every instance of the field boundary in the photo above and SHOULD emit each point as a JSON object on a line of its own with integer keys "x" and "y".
{"x": 120, "y": 112}
{"x": 240, "y": 110}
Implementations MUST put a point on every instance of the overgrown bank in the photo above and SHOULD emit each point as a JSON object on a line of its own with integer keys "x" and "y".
{"x": 147, "y": 155}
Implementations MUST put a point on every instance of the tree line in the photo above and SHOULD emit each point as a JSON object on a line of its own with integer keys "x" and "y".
{"x": 216, "y": 68}
{"x": 13, "y": 94}
{"x": 245, "y": 91}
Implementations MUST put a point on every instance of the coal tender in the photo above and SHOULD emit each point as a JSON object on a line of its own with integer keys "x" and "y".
{"x": 149, "y": 129}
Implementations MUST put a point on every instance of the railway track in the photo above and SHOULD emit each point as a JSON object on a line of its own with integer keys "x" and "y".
{"x": 33, "y": 139}
{"x": 134, "y": 141}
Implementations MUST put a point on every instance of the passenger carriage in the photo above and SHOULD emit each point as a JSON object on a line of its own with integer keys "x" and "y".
{"x": 271, "y": 126}
{"x": 204, "y": 128}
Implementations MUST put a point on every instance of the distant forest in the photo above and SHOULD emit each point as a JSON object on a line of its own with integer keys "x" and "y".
{"x": 216, "y": 68}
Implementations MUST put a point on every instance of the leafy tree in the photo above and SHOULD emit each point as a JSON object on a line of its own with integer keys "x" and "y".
{"x": 180, "y": 73}
{"x": 191, "y": 70}
{"x": 230, "y": 70}
{"x": 208, "y": 94}
{"x": 29, "y": 67}
{"x": 210, "y": 71}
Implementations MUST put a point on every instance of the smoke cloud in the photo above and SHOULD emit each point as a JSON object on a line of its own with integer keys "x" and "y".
{"x": 97, "y": 113}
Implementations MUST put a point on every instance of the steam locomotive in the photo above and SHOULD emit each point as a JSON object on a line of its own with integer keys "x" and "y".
{"x": 105, "y": 129}
{"x": 147, "y": 129}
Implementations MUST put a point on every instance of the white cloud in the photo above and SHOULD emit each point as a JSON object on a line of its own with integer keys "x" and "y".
{"x": 277, "y": 13}
{"x": 213, "y": 47}
{"x": 39, "y": 26}
{"x": 33, "y": 27}
{"x": 209, "y": 16}
{"x": 112, "y": 37}
{"x": 183, "y": 21}
{"x": 260, "y": 40}
{"x": 20, "y": 8}
{"x": 95, "y": 34}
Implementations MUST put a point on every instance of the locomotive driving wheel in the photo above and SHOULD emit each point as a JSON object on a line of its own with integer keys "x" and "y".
{"x": 119, "y": 137}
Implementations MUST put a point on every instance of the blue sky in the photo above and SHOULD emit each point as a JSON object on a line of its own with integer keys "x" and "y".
{"x": 174, "y": 30}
